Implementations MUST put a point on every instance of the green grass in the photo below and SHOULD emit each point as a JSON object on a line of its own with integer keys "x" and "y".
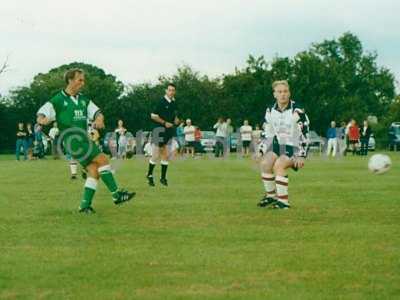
{"x": 203, "y": 237}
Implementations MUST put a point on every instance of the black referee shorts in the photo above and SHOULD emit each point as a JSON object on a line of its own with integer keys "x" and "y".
{"x": 161, "y": 136}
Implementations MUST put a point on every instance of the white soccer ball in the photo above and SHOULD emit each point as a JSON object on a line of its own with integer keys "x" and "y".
{"x": 379, "y": 163}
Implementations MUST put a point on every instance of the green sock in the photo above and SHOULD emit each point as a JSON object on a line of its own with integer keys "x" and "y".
{"x": 88, "y": 192}
{"x": 108, "y": 178}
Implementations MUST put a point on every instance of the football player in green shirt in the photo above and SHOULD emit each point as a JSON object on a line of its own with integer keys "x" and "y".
{"x": 73, "y": 111}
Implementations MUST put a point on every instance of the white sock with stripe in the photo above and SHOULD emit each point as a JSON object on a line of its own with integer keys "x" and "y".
{"x": 269, "y": 184}
{"x": 282, "y": 184}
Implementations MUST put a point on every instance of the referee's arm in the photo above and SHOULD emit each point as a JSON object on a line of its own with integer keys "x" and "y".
{"x": 156, "y": 118}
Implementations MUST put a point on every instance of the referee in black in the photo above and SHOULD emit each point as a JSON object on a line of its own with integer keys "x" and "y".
{"x": 165, "y": 118}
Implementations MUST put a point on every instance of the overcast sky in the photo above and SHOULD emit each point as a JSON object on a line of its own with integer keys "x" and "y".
{"x": 139, "y": 40}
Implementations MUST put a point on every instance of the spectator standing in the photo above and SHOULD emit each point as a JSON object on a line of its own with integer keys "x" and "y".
{"x": 347, "y": 130}
{"x": 229, "y": 132}
{"x": 189, "y": 131}
{"x": 113, "y": 146}
{"x": 29, "y": 140}
{"x": 118, "y": 131}
{"x": 197, "y": 137}
{"x": 246, "y": 136}
{"x": 53, "y": 134}
{"x": 122, "y": 144}
{"x": 365, "y": 134}
{"x": 220, "y": 136}
{"x": 256, "y": 138}
{"x": 180, "y": 135}
{"x": 331, "y": 135}
{"x": 21, "y": 141}
{"x": 354, "y": 136}
{"x": 38, "y": 146}
{"x": 341, "y": 136}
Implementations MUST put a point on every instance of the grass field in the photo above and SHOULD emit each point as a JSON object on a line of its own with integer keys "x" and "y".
{"x": 203, "y": 237}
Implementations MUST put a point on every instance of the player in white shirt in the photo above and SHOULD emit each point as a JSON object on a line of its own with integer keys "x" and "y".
{"x": 245, "y": 135}
{"x": 283, "y": 146}
{"x": 189, "y": 131}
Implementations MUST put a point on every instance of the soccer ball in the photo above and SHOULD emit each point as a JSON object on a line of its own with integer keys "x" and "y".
{"x": 379, "y": 163}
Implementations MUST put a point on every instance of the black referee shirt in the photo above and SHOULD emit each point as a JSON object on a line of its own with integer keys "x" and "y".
{"x": 166, "y": 110}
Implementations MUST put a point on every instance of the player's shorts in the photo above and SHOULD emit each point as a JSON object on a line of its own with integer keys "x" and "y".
{"x": 266, "y": 146}
{"x": 81, "y": 148}
{"x": 162, "y": 136}
{"x": 246, "y": 144}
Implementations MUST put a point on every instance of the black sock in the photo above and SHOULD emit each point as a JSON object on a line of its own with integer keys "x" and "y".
{"x": 164, "y": 168}
{"x": 151, "y": 169}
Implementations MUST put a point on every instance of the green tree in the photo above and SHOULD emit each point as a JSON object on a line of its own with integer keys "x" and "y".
{"x": 334, "y": 79}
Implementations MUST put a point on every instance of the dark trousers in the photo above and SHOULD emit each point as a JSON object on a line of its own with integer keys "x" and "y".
{"x": 21, "y": 143}
{"x": 220, "y": 146}
{"x": 364, "y": 146}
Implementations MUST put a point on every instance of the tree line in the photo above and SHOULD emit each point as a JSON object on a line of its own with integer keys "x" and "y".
{"x": 335, "y": 79}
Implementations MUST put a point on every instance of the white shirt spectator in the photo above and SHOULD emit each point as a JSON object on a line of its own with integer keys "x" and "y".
{"x": 120, "y": 130}
{"x": 189, "y": 133}
{"x": 222, "y": 129}
{"x": 245, "y": 132}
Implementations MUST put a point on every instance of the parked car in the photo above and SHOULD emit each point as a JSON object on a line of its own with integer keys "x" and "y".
{"x": 110, "y": 138}
{"x": 394, "y": 136}
{"x": 207, "y": 141}
{"x": 234, "y": 141}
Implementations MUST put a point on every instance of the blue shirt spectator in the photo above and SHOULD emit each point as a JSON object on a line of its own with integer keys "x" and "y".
{"x": 331, "y": 133}
{"x": 180, "y": 135}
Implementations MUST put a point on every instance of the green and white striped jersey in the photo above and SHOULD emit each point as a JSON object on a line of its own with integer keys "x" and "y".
{"x": 70, "y": 111}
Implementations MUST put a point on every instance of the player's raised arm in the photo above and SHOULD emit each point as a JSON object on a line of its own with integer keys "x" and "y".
{"x": 46, "y": 114}
{"x": 301, "y": 113}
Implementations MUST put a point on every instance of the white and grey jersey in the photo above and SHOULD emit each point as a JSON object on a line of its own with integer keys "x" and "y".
{"x": 288, "y": 127}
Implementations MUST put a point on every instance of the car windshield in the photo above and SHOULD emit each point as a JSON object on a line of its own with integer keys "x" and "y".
{"x": 208, "y": 135}
{"x": 396, "y": 129}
